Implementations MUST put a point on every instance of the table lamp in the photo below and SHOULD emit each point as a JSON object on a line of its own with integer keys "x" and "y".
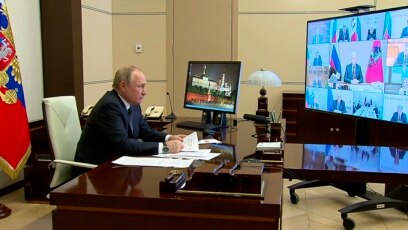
{"x": 263, "y": 78}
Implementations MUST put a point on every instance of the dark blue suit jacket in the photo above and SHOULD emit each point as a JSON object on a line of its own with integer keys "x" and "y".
{"x": 344, "y": 36}
{"x": 403, "y": 118}
{"x": 339, "y": 106}
{"x": 348, "y": 74}
{"x": 404, "y": 33}
{"x": 106, "y": 132}
{"x": 400, "y": 61}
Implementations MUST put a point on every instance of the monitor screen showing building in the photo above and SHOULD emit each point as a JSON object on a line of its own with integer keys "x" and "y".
{"x": 212, "y": 86}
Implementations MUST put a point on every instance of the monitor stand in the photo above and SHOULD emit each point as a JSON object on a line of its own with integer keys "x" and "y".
{"x": 217, "y": 119}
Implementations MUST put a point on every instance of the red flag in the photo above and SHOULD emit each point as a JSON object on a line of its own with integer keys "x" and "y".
{"x": 375, "y": 68}
{"x": 15, "y": 144}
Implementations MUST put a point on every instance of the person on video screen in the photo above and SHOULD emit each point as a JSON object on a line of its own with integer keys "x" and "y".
{"x": 399, "y": 116}
{"x": 353, "y": 72}
{"x": 339, "y": 105}
{"x": 317, "y": 61}
{"x": 315, "y": 103}
{"x": 404, "y": 32}
{"x": 402, "y": 58}
{"x": 404, "y": 87}
{"x": 317, "y": 37}
{"x": 371, "y": 34}
{"x": 344, "y": 34}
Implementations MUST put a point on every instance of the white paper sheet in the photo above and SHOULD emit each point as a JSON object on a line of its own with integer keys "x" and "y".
{"x": 190, "y": 143}
{"x": 201, "y": 154}
{"x": 153, "y": 161}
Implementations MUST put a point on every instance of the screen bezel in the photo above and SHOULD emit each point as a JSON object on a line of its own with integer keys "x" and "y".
{"x": 308, "y": 59}
{"x": 238, "y": 64}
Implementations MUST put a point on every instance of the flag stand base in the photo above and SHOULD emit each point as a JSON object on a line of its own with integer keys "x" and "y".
{"x": 4, "y": 211}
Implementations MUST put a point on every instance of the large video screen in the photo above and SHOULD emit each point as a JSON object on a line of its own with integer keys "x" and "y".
{"x": 212, "y": 86}
{"x": 357, "y": 65}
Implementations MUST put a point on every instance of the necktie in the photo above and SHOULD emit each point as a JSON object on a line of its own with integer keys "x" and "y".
{"x": 354, "y": 72}
{"x": 130, "y": 129}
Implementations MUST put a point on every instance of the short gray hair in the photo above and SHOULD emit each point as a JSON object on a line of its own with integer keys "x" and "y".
{"x": 123, "y": 74}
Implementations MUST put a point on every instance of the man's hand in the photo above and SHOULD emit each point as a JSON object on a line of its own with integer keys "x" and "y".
{"x": 177, "y": 137}
{"x": 175, "y": 145}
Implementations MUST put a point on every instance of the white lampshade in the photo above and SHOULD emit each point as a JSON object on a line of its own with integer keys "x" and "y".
{"x": 264, "y": 78}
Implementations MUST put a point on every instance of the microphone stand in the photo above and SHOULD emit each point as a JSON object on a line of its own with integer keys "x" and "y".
{"x": 171, "y": 116}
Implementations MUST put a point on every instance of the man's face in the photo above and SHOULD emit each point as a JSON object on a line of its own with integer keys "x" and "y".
{"x": 354, "y": 60}
{"x": 135, "y": 91}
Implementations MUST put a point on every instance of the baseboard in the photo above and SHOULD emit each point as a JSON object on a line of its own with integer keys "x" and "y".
{"x": 11, "y": 188}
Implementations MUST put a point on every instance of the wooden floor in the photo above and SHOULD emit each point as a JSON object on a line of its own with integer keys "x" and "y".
{"x": 317, "y": 209}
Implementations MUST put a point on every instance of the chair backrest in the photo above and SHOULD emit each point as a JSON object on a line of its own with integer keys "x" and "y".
{"x": 64, "y": 130}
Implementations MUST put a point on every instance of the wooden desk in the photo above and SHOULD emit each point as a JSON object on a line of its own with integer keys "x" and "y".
{"x": 110, "y": 197}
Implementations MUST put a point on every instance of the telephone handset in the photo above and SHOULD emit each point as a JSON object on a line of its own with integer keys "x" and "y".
{"x": 87, "y": 110}
{"x": 154, "y": 112}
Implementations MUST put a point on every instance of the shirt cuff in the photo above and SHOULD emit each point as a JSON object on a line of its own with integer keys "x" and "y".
{"x": 160, "y": 148}
{"x": 167, "y": 137}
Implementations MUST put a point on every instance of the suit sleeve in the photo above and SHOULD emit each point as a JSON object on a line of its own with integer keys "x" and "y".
{"x": 114, "y": 124}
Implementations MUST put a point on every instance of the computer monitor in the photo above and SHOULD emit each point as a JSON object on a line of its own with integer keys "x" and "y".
{"x": 213, "y": 87}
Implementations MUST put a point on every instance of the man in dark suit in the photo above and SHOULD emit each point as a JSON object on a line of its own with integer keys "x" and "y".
{"x": 317, "y": 61}
{"x": 404, "y": 32}
{"x": 353, "y": 73}
{"x": 339, "y": 105}
{"x": 399, "y": 116}
{"x": 402, "y": 58}
{"x": 371, "y": 34}
{"x": 344, "y": 34}
{"x": 116, "y": 126}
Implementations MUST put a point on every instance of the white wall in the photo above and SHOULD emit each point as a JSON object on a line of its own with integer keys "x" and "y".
{"x": 27, "y": 39}
{"x": 97, "y": 48}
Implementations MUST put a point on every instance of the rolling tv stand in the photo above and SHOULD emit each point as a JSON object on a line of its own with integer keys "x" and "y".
{"x": 373, "y": 201}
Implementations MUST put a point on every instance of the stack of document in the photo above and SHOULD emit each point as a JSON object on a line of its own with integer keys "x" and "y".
{"x": 183, "y": 159}
{"x": 262, "y": 146}
{"x": 153, "y": 162}
{"x": 191, "y": 150}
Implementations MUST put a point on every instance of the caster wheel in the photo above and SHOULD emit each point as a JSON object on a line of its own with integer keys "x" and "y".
{"x": 348, "y": 223}
{"x": 294, "y": 198}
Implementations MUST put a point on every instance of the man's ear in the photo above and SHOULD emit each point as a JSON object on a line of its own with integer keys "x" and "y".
{"x": 122, "y": 85}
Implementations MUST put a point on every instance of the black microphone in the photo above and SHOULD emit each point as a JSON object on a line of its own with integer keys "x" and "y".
{"x": 257, "y": 118}
{"x": 171, "y": 116}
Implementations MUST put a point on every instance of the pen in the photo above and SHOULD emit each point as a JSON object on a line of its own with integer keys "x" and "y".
{"x": 215, "y": 171}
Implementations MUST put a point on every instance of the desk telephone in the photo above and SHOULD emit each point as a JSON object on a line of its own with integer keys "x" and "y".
{"x": 154, "y": 112}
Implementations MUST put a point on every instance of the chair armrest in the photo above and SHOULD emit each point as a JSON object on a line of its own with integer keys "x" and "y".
{"x": 77, "y": 164}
